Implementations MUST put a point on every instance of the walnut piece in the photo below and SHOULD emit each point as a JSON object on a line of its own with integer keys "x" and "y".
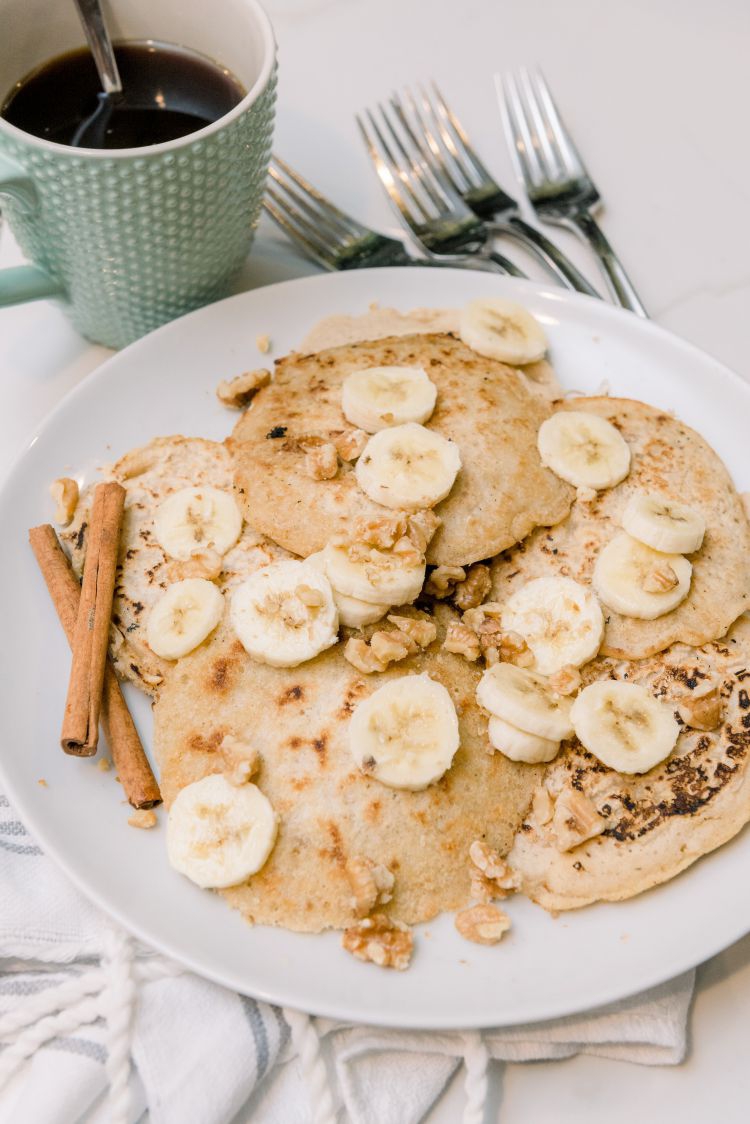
{"x": 585, "y": 495}
{"x": 371, "y": 883}
{"x": 242, "y": 760}
{"x": 542, "y": 807}
{"x": 515, "y": 650}
{"x": 494, "y": 868}
{"x": 205, "y": 563}
{"x": 702, "y": 713}
{"x": 65, "y": 494}
{"x": 660, "y": 579}
{"x": 350, "y": 444}
{"x": 419, "y": 629}
{"x": 322, "y": 461}
{"x": 575, "y": 819}
{"x": 359, "y": 653}
{"x": 313, "y": 598}
{"x": 382, "y": 533}
{"x": 380, "y": 939}
{"x": 484, "y": 889}
{"x": 240, "y": 391}
{"x": 390, "y": 647}
{"x": 462, "y": 640}
{"x": 472, "y": 591}
{"x": 443, "y": 580}
{"x": 566, "y": 681}
{"x": 422, "y": 526}
{"x": 482, "y": 924}
{"x": 263, "y": 343}
{"x": 144, "y": 818}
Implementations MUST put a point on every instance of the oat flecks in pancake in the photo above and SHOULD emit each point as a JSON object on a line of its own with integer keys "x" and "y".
{"x": 298, "y": 719}
{"x": 670, "y": 459}
{"x": 149, "y": 474}
{"x": 338, "y": 330}
{"x": 658, "y": 823}
{"x": 500, "y": 494}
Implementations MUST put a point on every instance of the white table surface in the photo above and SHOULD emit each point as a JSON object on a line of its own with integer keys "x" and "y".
{"x": 657, "y": 94}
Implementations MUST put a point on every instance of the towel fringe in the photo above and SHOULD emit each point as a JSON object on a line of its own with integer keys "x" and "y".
{"x": 476, "y": 1060}
{"x": 306, "y": 1042}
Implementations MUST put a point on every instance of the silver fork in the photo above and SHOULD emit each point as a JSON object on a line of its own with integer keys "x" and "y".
{"x": 444, "y": 144}
{"x": 439, "y": 220}
{"x": 554, "y": 175}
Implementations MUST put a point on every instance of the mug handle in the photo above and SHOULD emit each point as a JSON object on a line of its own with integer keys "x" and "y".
{"x": 22, "y": 282}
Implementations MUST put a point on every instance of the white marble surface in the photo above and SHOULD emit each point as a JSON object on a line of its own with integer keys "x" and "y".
{"x": 656, "y": 92}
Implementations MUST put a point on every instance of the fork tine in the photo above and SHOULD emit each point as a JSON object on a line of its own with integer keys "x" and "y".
{"x": 544, "y": 139}
{"x": 330, "y": 211}
{"x": 519, "y": 136}
{"x": 392, "y": 176}
{"x": 298, "y": 228}
{"x": 455, "y": 136}
{"x": 326, "y": 226}
{"x": 416, "y": 166}
{"x": 440, "y": 156}
{"x": 557, "y": 128}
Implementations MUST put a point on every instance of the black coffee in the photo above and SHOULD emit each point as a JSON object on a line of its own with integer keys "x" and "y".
{"x": 167, "y": 92}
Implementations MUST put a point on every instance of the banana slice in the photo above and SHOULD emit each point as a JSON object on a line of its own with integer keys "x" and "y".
{"x": 502, "y": 330}
{"x": 525, "y": 700}
{"x": 183, "y": 617}
{"x": 197, "y": 519}
{"x": 518, "y": 745}
{"x": 637, "y": 581}
{"x": 624, "y": 726}
{"x": 384, "y": 396}
{"x": 405, "y": 734}
{"x": 408, "y": 467}
{"x": 353, "y": 613}
{"x": 583, "y": 449}
{"x": 218, "y": 834}
{"x": 560, "y": 620}
{"x": 665, "y": 525}
{"x": 285, "y": 614}
{"x": 375, "y": 576}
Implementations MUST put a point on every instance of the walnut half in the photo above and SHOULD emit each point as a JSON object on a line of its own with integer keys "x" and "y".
{"x": 371, "y": 883}
{"x": 482, "y": 924}
{"x": 703, "y": 713}
{"x": 65, "y": 494}
{"x": 380, "y": 939}
{"x": 575, "y": 819}
{"x": 240, "y": 391}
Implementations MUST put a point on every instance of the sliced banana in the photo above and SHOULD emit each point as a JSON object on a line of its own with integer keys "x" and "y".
{"x": 524, "y": 699}
{"x": 637, "y": 581}
{"x": 583, "y": 449}
{"x": 353, "y": 613}
{"x": 560, "y": 620}
{"x": 502, "y": 329}
{"x": 624, "y": 726}
{"x": 375, "y": 576}
{"x": 197, "y": 519}
{"x": 218, "y": 834}
{"x": 665, "y": 525}
{"x": 183, "y": 617}
{"x": 405, "y": 734}
{"x": 379, "y": 397}
{"x": 285, "y": 614}
{"x": 518, "y": 745}
{"x": 408, "y": 467}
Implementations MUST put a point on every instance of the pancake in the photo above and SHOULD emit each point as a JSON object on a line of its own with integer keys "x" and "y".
{"x": 329, "y": 812}
{"x": 656, "y": 824}
{"x": 672, "y": 460}
{"x": 149, "y": 474}
{"x": 501, "y": 493}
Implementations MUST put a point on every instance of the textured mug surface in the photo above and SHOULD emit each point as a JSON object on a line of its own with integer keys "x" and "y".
{"x": 136, "y": 237}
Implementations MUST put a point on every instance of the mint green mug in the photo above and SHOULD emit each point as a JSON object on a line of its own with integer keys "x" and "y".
{"x": 129, "y": 238}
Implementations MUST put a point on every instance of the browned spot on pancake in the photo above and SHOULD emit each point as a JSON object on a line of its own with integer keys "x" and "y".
{"x": 238, "y": 649}
{"x": 207, "y": 744}
{"x": 373, "y": 810}
{"x": 299, "y": 784}
{"x": 291, "y": 694}
{"x": 320, "y": 745}
{"x": 336, "y": 850}
{"x": 294, "y": 742}
{"x": 219, "y": 678}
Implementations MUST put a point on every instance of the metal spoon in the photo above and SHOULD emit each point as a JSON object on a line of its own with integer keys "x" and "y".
{"x": 91, "y": 132}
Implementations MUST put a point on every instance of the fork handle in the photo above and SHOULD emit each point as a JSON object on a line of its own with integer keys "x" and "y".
{"x": 502, "y": 262}
{"x": 547, "y": 252}
{"x": 622, "y": 287}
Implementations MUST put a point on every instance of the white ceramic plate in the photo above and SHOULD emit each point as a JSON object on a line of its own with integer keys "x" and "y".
{"x": 165, "y": 384}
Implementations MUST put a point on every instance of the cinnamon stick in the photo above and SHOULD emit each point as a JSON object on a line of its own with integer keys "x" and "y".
{"x": 80, "y": 731}
{"x": 131, "y": 763}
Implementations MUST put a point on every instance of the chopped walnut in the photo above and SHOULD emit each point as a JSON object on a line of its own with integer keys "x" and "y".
{"x": 151, "y": 679}
{"x": 419, "y": 629}
{"x": 104, "y": 764}
{"x": 462, "y": 640}
{"x": 390, "y": 647}
{"x": 240, "y": 391}
{"x": 542, "y": 806}
{"x": 371, "y": 883}
{"x": 494, "y": 867}
{"x": 422, "y": 527}
{"x": 443, "y": 580}
{"x": 490, "y": 610}
{"x": 65, "y": 494}
{"x": 660, "y": 579}
{"x": 359, "y": 653}
{"x": 483, "y": 889}
{"x": 585, "y": 495}
{"x": 483, "y": 924}
{"x": 575, "y": 819}
{"x": 380, "y": 939}
{"x": 313, "y": 598}
{"x": 565, "y": 681}
{"x": 143, "y": 818}
{"x": 322, "y": 461}
{"x": 241, "y": 759}
{"x": 382, "y": 533}
{"x": 702, "y": 713}
{"x": 263, "y": 343}
{"x": 472, "y": 591}
{"x": 206, "y": 564}
{"x": 350, "y": 444}
{"x": 515, "y": 650}
{"x": 407, "y": 552}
